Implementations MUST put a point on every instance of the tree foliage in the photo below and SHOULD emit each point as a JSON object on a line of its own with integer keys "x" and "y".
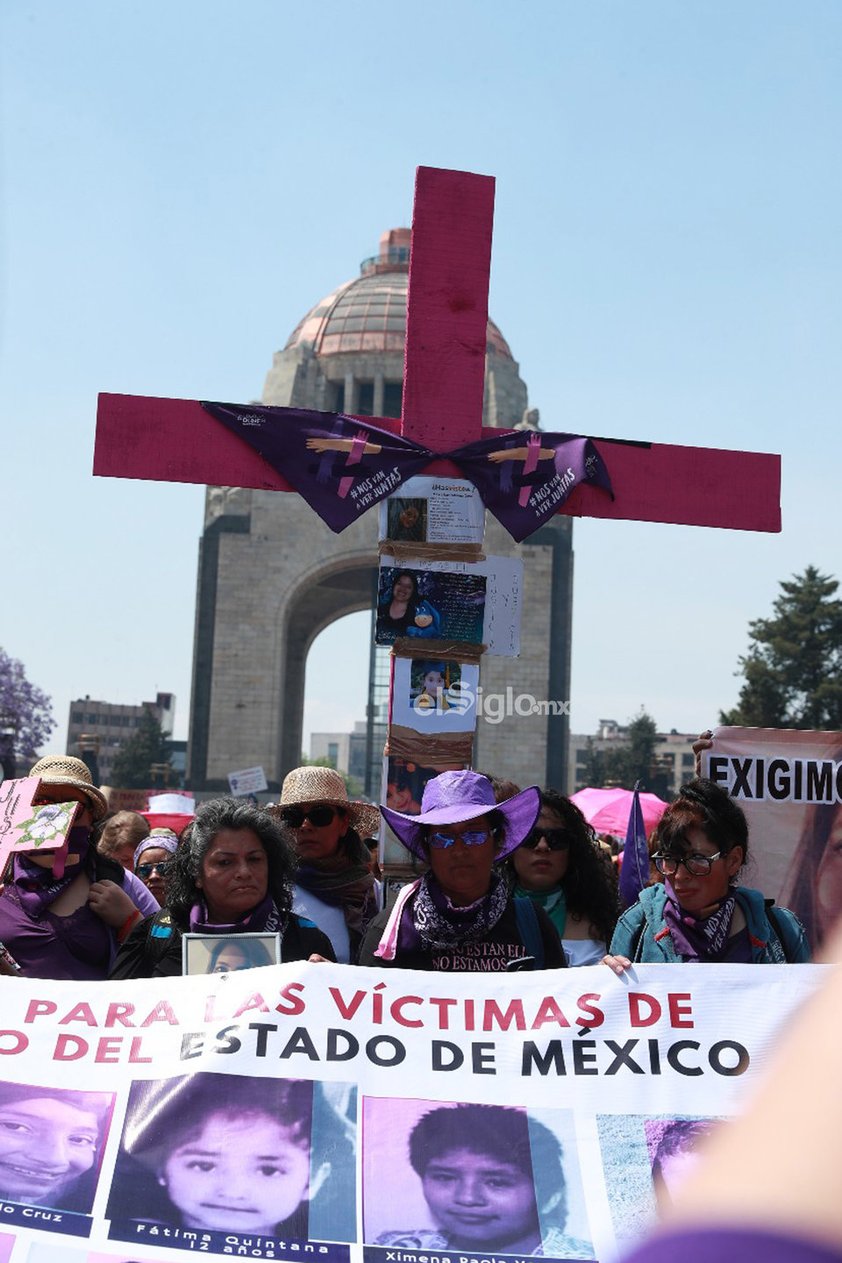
{"x": 132, "y": 768}
{"x": 793, "y": 667}
{"x": 26, "y": 715}
{"x": 632, "y": 761}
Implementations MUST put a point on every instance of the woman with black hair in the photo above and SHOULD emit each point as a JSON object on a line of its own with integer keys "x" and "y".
{"x": 403, "y": 612}
{"x": 699, "y": 914}
{"x": 65, "y": 918}
{"x": 334, "y": 885}
{"x": 559, "y": 868}
{"x": 232, "y": 875}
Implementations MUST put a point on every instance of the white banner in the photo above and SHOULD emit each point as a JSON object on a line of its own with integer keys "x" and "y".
{"x": 355, "y": 1115}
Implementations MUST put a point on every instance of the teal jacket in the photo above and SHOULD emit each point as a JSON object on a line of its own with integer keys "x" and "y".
{"x": 642, "y": 933}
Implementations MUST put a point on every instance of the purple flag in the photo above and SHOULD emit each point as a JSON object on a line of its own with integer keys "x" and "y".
{"x": 340, "y": 465}
{"x": 634, "y": 873}
{"x": 526, "y": 476}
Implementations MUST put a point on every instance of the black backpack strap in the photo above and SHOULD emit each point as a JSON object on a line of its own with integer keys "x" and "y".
{"x": 527, "y": 925}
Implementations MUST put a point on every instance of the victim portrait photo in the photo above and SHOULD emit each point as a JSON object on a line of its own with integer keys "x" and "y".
{"x": 429, "y": 604}
{"x": 476, "y": 1178}
{"x": 406, "y": 519}
{"x": 51, "y": 1145}
{"x": 228, "y": 953}
{"x": 234, "y": 1154}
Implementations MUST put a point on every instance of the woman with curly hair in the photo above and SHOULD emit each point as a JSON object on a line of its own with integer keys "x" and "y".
{"x": 558, "y": 867}
{"x": 232, "y": 875}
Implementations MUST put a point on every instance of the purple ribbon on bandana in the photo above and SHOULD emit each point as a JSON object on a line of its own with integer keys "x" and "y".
{"x": 343, "y": 467}
{"x": 525, "y": 477}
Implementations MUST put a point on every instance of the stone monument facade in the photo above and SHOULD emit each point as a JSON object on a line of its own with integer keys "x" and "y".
{"x": 272, "y": 576}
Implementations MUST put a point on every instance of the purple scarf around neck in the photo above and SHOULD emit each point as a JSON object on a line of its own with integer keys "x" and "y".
{"x": 264, "y": 919}
{"x": 699, "y": 939}
{"x": 37, "y": 887}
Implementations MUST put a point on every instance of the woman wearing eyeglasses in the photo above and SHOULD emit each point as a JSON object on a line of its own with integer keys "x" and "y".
{"x": 461, "y": 915}
{"x": 559, "y": 868}
{"x": 699, "y": 914}
{"x": 232, "y": 874}
{"x": 334, "y": 885}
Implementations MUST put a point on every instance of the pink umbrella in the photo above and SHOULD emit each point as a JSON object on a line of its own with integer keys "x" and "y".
{"x": 607, "y": 810}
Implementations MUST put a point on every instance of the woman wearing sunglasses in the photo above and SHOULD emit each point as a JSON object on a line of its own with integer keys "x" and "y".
{"x": 461, "y": 915}
{"x": 232, "y": 874}
{"x": 153, "y": 860}
{"x": 699, "y": 913}
{"x": 559, "y": 868}
{"x": 334, "y": 885}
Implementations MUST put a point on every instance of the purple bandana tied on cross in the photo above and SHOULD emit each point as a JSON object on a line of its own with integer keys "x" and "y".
{"x": 343, "y": 466}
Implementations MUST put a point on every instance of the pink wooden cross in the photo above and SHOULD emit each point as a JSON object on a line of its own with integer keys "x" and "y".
{"x": 175, "y": 440}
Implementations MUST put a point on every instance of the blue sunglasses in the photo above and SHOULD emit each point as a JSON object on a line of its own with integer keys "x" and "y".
{"x": 442, "y": 841}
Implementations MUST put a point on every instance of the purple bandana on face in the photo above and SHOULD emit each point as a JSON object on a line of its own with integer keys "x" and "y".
{"x": 38, "y": 887}
{"x": 525, "y": 477}
{"x": 341, "y": 466}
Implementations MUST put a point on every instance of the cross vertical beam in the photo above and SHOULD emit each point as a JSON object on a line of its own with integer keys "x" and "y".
{"x": 447, "y": 308}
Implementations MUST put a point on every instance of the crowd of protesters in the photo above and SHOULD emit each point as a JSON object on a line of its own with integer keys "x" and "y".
{"x": 507, "y": 879}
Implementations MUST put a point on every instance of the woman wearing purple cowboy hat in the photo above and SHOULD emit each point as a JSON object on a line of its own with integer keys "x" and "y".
{"x": 460, "y": 915}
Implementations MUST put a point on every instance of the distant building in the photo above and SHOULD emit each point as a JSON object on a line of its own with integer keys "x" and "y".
{"x": 333, "y": 746}
{"x": 674, "y": 761}
{"x": 96, "y": 730}
{"x": 352, "y": 752}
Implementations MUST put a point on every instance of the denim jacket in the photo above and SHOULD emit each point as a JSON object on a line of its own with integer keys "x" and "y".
{"x": 642, "y": 933}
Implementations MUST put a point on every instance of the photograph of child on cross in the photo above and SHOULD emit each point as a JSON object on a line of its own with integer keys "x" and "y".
{"x": 430, "y": 682}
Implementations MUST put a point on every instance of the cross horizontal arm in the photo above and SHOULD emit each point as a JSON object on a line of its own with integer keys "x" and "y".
{"x": 175, "y": 440}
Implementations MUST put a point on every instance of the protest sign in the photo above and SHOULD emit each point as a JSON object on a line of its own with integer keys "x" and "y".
{"x": 468, "y": 602}
{"x": 433, "y": 511}
{"x": 432, "y": 695}
{"x": 26, "y": 826}
{"x": 789, "y": 784}
{"x": 251, "y": 780}
{"x": 340, "y": 1091}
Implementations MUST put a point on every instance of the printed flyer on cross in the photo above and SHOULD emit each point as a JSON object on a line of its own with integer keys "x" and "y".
{"x": 354, "y": 1115}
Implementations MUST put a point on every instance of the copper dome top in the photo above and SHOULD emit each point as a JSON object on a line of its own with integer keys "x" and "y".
{"x": 369, "y": 313}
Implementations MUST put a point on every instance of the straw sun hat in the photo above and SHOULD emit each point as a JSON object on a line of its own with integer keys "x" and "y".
{"x": 63, "y": 769}
{"x": 324, "y": 785}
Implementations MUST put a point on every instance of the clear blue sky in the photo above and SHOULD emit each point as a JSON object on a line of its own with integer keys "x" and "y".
{"x": 181, "y": 182}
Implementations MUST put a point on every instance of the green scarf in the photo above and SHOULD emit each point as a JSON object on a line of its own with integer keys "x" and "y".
{"x": 553, "y": 903}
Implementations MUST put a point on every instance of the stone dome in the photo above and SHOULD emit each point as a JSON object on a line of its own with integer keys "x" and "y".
{"x": 368, "y": 314}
